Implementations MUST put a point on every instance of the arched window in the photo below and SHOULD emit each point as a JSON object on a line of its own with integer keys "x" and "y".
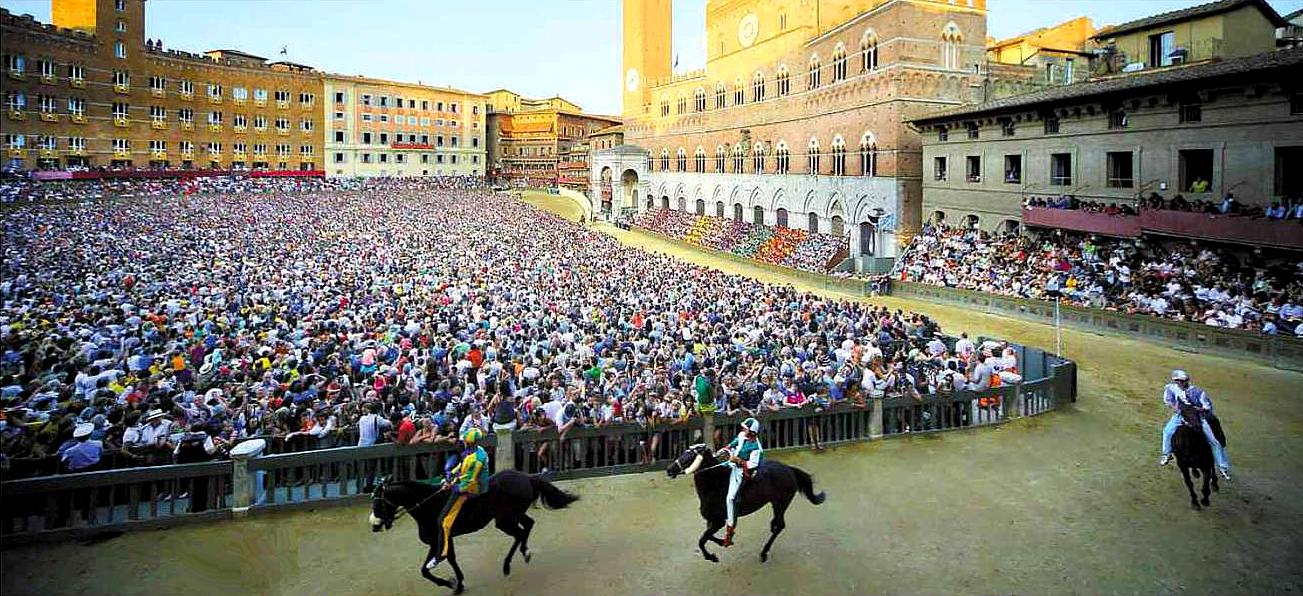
{"x": 719, "y": 209}
{"x": 868, "y": 155}
{"x": 681, "y": 160}
{"x": 665, "y": 106}
{"x": 758, "y": 215}
{"x": 784, "y": 81}
{"x": 737, "y": 212}
{"x": 869, "y": 50}
{"x": 699, "y": 99}
{"x": 758, "y": 158}
{"x": 972, "y": 221}
{"x": 839, "y": 63}
{"x": 699, "y": 159}
{"x": 813, "y": 80}
{"x": 758, "y": 86}
{"x": 838, "y": 156}
{"x": 701, "y": 207}
{"x": 782, "y": 158}
{"x": 780, "y": 217}
{"x": 720, "y": 154}
{"x": 812, "y": 157}
{"x": 812, "y": 223}
{"x": 665, "y": 160}
{"x": 739, "y": 92}
{"x": 739, "y": 159}
{"x": 950, "y": 40}
{"x": 683, "y": 204}
{"x": 665, "y": 202}
{"x": 838, "y": 226}
{"x": 721, "y": 96}
{"x": 868, "y": 238}
{"x": 683, "y": 104}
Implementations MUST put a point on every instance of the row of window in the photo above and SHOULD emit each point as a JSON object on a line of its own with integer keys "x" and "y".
{"x": 736, "y": 160}
{"x": 383, "y": 101}
{"x": 382, "y": 138}
{"x": 1119, "y": 167}
{"x": 401, "y": 158}
{"x": 868, "y": 56}
{"x": 17, "y": 64}
{"x": 399, "y": 119}
{"x": 51, "y": 143}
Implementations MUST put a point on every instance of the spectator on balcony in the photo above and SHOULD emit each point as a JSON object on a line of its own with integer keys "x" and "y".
{"x": 81, "y": 453}
{"x": 1229, "y": 206}
{"x": 1199, "y": 185}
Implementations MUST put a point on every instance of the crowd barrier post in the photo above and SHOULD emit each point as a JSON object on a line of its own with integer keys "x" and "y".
{"x": 1013, "y": 409}
{"x": 243, "y": 483}
{"x": 708, "y": 429}
{"x": 504, "y": 451}
{"x": 875, "y": 420}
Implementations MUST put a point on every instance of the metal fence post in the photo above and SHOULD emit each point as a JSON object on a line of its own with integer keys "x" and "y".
{"x": 505, "y": 449}
{"x": 242, "y": 481}
{"x": 875, "y": 420}
{"x": 1014, "y": 408}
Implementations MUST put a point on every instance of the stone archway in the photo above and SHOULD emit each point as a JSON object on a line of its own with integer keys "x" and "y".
{"x": 629, "y": 184}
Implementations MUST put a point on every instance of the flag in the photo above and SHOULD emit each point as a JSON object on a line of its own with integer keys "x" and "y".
{"x": 285, "y": 50}
{"x": 676, "y": 61}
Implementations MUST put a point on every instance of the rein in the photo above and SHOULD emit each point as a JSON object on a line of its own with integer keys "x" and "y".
{"x": 406, "y": 510}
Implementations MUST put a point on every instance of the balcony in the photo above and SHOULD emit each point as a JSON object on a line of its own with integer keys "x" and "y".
{"x": 75, "y": 152}
{"x": 188, "y": 126}
{"x": 156, "y": 92}
{"x": 214, "y": 127}
{"x": 121, "y": 89}
{"x": 240, "y": 129}
{"x": 17, "y": 75}
{"x": 158, "y": 125}
{"x": 239, "y": 101}
{"x": 78, "y": 118}
{"x": 306, "y": 131}
{"x": 307, "y": 107}
{"x": 237, "y": 156}
{"x": 1123, "y": 226}
{"x": 187, "y": 155}
{"x": 49, "y": 117}
{"x": 77, "y": 83}
{"x": 215, "y": 99}
{"x": 121, "y": 121}
{"x": 282, "y": 132}
{"x": 123, "y": 153}
{"x": 49, "y": 79}
{"x": 48, "y": 152}
{"x": 17, "y": 153}
{"x": 186, "y": 95}
{"x": 260, "y": 129}
{"x": 17, "y": 114}
{"x": 260, "y": 103}
{"x": 1226, "y": 228}
{"x": 158, "y": 154}
{"x": 283, "y": 105}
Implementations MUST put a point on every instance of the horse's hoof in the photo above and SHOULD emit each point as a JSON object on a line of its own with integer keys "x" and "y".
{"x": 1204, "y": 501}
{"x": 506, "y": 570}
{"x": 764, "y": 557}
{"x": 460, "y": 588}
{"x": 1195, "y": 505}
{"x": 712, "y": 558}
{"x": 527, "y": 556}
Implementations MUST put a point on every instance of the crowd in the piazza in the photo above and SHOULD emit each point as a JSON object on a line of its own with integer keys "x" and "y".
{"x": 19, "y": 189}
{"x": 1179, "y": 280}
{"x": 169, "y": 328}
{"x": 1289, "y": 208}
{"x": 775, "y": 245}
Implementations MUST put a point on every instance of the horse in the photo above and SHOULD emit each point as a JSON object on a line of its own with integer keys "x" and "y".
{"x": 509, "y": 496}
{"x": 772, "y": 483}
{"x": 1193, "y": 453}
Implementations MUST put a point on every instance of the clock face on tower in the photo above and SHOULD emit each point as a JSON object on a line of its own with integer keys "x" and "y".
{"x": 631, "y": 80}
{"x": 747, "y": 29}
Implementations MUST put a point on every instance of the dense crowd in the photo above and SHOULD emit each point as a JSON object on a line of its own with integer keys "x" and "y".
{"x": 170, "y": 328}
{"x": 16, "y": 189}
{"x": 776, "y": 245}
{"x": 1287, "y": 209}
{"x": 1176, "y": 280}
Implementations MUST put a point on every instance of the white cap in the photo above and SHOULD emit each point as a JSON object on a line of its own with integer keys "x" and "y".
{"x": 82, "y": 430}
{"x": 1180, "y": 375}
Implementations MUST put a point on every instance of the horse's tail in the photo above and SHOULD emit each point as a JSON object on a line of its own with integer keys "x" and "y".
{"x": 551, "y": 496}
{"x": 805, "y": 482}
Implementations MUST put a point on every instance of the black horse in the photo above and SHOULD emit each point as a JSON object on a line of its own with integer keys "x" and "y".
{"x": 1193, "y": 453}
{"x": 508, "y": 498}
{"x": 772, "y": 482}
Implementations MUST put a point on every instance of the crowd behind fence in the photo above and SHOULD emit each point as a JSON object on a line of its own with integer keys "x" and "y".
{"x": 134, "y": 498}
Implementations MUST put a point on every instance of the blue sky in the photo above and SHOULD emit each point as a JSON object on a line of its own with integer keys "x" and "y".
{"x": 535, "y": 47}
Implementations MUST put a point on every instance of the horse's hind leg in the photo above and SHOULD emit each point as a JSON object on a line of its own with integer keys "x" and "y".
{"x": 510, "y": 528}
{"x": 456, "y": 569}
{"x": 439, "y": 581}
{"x": 712, "y": 526}
{"x": 1207, "y": 477}
{"x": 1189, "y": 486}
{"x": 526, "y": 525}
{"x": 776, "y": 526}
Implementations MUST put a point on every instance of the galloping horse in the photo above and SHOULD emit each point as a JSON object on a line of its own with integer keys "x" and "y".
{"x": 773, "y": 482}
{"x": 1193, "y": 453}
{"x": 509, "y": 496}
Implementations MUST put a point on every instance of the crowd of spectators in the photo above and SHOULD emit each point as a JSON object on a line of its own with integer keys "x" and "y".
{"x": 1288, "y": 209}
{"x": 1183, "y": 281}
{"x": 17, "y": 190}
{"x": 168, "y": 329}
{"x": 776, "y": 245}
{"x": 1072, "y": 202}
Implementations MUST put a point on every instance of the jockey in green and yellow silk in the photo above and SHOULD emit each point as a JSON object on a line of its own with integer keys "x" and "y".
{"x": 472, "y": 478}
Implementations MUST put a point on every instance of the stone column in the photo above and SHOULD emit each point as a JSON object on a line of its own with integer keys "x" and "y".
{"x": 505, "y": 449}
{"x": 243, "y": 481}
{"x": 875, "y": 419}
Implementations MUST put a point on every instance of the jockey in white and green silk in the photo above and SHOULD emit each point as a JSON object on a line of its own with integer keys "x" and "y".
{"x": 744, "y": 456}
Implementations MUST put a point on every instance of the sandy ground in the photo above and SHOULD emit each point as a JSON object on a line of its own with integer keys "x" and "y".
{"x": 1068, "y": 503}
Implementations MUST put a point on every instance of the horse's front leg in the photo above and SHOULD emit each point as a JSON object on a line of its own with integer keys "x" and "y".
{"x": 1207, "y": 478}
{"x": 510, "y": 528}
{"x": 712, "y": 526}
{"x": 456, "y": 569}
{"x": 1189, "y": 486}
{"x": 425, "y": 571}
{"x": 776, "y": 526}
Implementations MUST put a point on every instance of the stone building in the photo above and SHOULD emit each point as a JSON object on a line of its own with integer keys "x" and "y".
{"x": 387, "y": 128}
{"x": 90, "y": 90}
{"x": 531, "y": 141}
{"x": 799, "y": 116}
{"x": 1216, "y": 30}
{"x": 1201, "y": 130}
{"x": 1060, "y": 52}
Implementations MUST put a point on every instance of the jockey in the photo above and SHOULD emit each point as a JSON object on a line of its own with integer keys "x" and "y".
{"x": 1178, "y": 392}
{"x": 744, "y": 456}
{"x": 472, "y": 479}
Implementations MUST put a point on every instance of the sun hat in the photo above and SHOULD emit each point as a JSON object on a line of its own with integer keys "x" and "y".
{"x": 82, "y": 430}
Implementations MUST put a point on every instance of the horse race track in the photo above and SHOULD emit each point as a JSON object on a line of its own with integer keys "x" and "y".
{"x": 1068, "y": 503}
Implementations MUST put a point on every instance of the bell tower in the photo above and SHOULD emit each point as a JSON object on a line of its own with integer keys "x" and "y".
{"x": 647, "y": 28}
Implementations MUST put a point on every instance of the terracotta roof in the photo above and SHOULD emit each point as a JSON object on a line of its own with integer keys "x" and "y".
{"x": 618, "y": 128}
{"x": 1184, "y": 14}
{"x": 1280, "y": 59}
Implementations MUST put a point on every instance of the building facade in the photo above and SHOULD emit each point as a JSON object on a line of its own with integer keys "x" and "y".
{"x": 540, "y": 142}
{"x": 1059, "y": 52}
{"x": 799, "y": 114}
{"x": 1201, "y": 130}
{"x": 387, "y": 128}
{"x": 90, "y": 90}
{"x": 1212, "y": 31}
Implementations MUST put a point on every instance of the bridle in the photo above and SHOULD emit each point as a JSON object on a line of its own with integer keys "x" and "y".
{"x": 399, "y": 509}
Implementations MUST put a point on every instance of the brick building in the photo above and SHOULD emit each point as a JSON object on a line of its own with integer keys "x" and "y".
{"x": 540, "y": 142}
